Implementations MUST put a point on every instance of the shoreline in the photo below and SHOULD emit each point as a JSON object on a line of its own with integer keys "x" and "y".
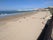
{"x": 26, "y": 26}
{"x": 14, "y": 16}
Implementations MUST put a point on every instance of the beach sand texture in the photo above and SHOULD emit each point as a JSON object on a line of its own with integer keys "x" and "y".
{"x": 25, "y": 27}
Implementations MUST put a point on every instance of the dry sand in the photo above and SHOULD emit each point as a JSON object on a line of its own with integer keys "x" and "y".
{"x": 23, "y": 27}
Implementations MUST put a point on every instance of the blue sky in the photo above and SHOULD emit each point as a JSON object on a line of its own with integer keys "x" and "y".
{"x": 24, "y": 4}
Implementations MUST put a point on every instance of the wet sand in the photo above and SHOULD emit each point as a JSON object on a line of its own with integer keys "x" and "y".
{"x": 23, "y": 27}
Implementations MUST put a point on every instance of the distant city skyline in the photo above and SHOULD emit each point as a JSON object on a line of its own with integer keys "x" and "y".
{"x": 24, "y": 4}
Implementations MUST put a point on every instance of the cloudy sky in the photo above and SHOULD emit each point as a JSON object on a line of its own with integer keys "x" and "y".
{"x": 24, "y": 4}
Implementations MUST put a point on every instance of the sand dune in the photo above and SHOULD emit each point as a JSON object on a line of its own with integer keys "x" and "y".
{"x": 23, "y": 27}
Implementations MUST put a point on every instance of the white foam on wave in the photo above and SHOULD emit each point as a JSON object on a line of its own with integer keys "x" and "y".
{"x": 5, "y": 15}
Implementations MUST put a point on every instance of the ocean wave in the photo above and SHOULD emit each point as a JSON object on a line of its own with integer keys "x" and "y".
{"x": 4, "y": 15}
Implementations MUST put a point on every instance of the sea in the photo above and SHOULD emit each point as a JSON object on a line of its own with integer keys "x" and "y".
{"x": 10, "y": 13}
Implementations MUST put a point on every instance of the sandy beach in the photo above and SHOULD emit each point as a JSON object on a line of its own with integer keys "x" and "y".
{"x": 27, "y": 26}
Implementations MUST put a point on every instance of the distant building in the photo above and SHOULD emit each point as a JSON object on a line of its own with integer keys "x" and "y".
{"x": 42, "y": 9}
{"x": 51, "y": 9}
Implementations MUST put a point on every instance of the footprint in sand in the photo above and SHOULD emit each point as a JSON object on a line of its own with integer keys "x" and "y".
{"x": 42, "y": 22}
{"x": 33, "y": 17}
{"x": 19, "y": 21}
{"x": 24, "y": 17}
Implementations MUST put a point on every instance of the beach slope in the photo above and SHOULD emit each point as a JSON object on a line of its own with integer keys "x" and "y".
{"x": 23, "y": 27}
